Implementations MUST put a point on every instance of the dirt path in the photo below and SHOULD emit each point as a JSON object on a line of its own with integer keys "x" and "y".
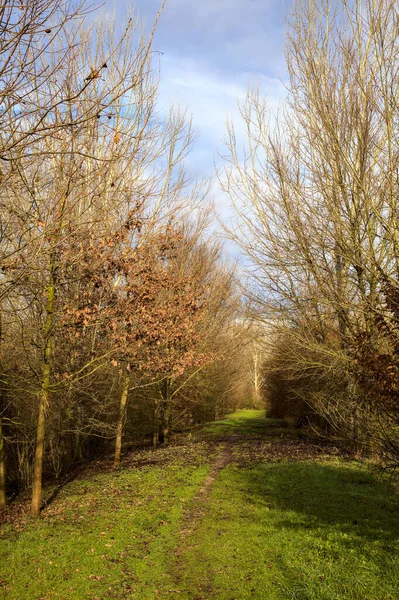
{"x": 195, "y": 511}
{"x": 194, "y": 514}
{"x": 241, "y": 448}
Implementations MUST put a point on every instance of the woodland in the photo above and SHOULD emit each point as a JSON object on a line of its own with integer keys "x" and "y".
{"x": 186, "y": 426}
{"x": 121, "y": 319}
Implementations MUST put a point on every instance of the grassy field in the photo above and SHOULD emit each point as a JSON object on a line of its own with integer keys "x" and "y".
{"x": 244, "y": 510}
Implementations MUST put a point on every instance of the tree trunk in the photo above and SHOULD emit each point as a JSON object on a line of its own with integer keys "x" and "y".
{"x": 121, "y": 420}
{"x": 77, "y": 446}
{"x": 165, "y": 413}
{"x": 155, "y": 434}
{"x": 43, "y": 397}
{"x": 3, "y": 499}
{"x": 166, "y": 430}
{"x": 256, "y": 378}
{"x": 2, "y": 469}
{"x": 78, "y": 438}
{"x": 341, "y": 280}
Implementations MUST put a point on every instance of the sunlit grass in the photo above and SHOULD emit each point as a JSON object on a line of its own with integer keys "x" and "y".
{"x": 266, "y": 529}
{"x": 247, "y": 422}
{"x": 322, "y": 531}
{"x": 109, "y": 537}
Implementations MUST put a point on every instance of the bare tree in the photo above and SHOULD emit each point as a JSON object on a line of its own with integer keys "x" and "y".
{"x": 315, "y": 193}
{"x": 73, "y": 183}
{"x": 27, "y": 31}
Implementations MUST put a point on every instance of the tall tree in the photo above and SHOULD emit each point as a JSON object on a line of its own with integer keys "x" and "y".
{"x": 27, "y": 31}
{"x": 315, "y": 193}
{"x": 73, "y": 181}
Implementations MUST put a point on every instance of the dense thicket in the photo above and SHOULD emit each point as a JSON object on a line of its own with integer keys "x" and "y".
{"x": 316, "y": 195}
{"x": 118, "y": 316}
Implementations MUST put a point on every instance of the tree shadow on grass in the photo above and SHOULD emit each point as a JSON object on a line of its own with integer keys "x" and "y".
{"x": 350, "y": 499}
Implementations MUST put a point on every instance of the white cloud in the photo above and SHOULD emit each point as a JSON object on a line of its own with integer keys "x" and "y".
{"x": 212, "y": 50}
{"x": 211, "y": 96}
{"x": 208, "y": 97}
{"x": 232, "y": 34}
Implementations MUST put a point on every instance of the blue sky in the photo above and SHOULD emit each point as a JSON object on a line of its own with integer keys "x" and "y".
{"x": 212, "y": 50}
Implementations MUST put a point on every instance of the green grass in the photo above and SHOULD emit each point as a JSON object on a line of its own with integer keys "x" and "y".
{"x": 320, "y": 529}
{"x": 107, "y": 537}
{"x": 247, "y": 422}
{"x": 302, "y": 530}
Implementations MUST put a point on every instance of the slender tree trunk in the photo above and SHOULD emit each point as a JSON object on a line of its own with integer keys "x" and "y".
{"x": 165, "y": 412}
{"x": 256, "y": 378}
{"x": 77, "y": 446}
{"x": 3, "y": 499}
{"x": 121, "y": 420}
{"x": 78, "y": 437}
{"x": 168, "y": 415}
{"x": 43, "y": 397}
{"x": 340, "y": 273}
{"x": 155, "y": 434}
{"x": 2, "y": 469}
{"x": 161, "y": 426}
